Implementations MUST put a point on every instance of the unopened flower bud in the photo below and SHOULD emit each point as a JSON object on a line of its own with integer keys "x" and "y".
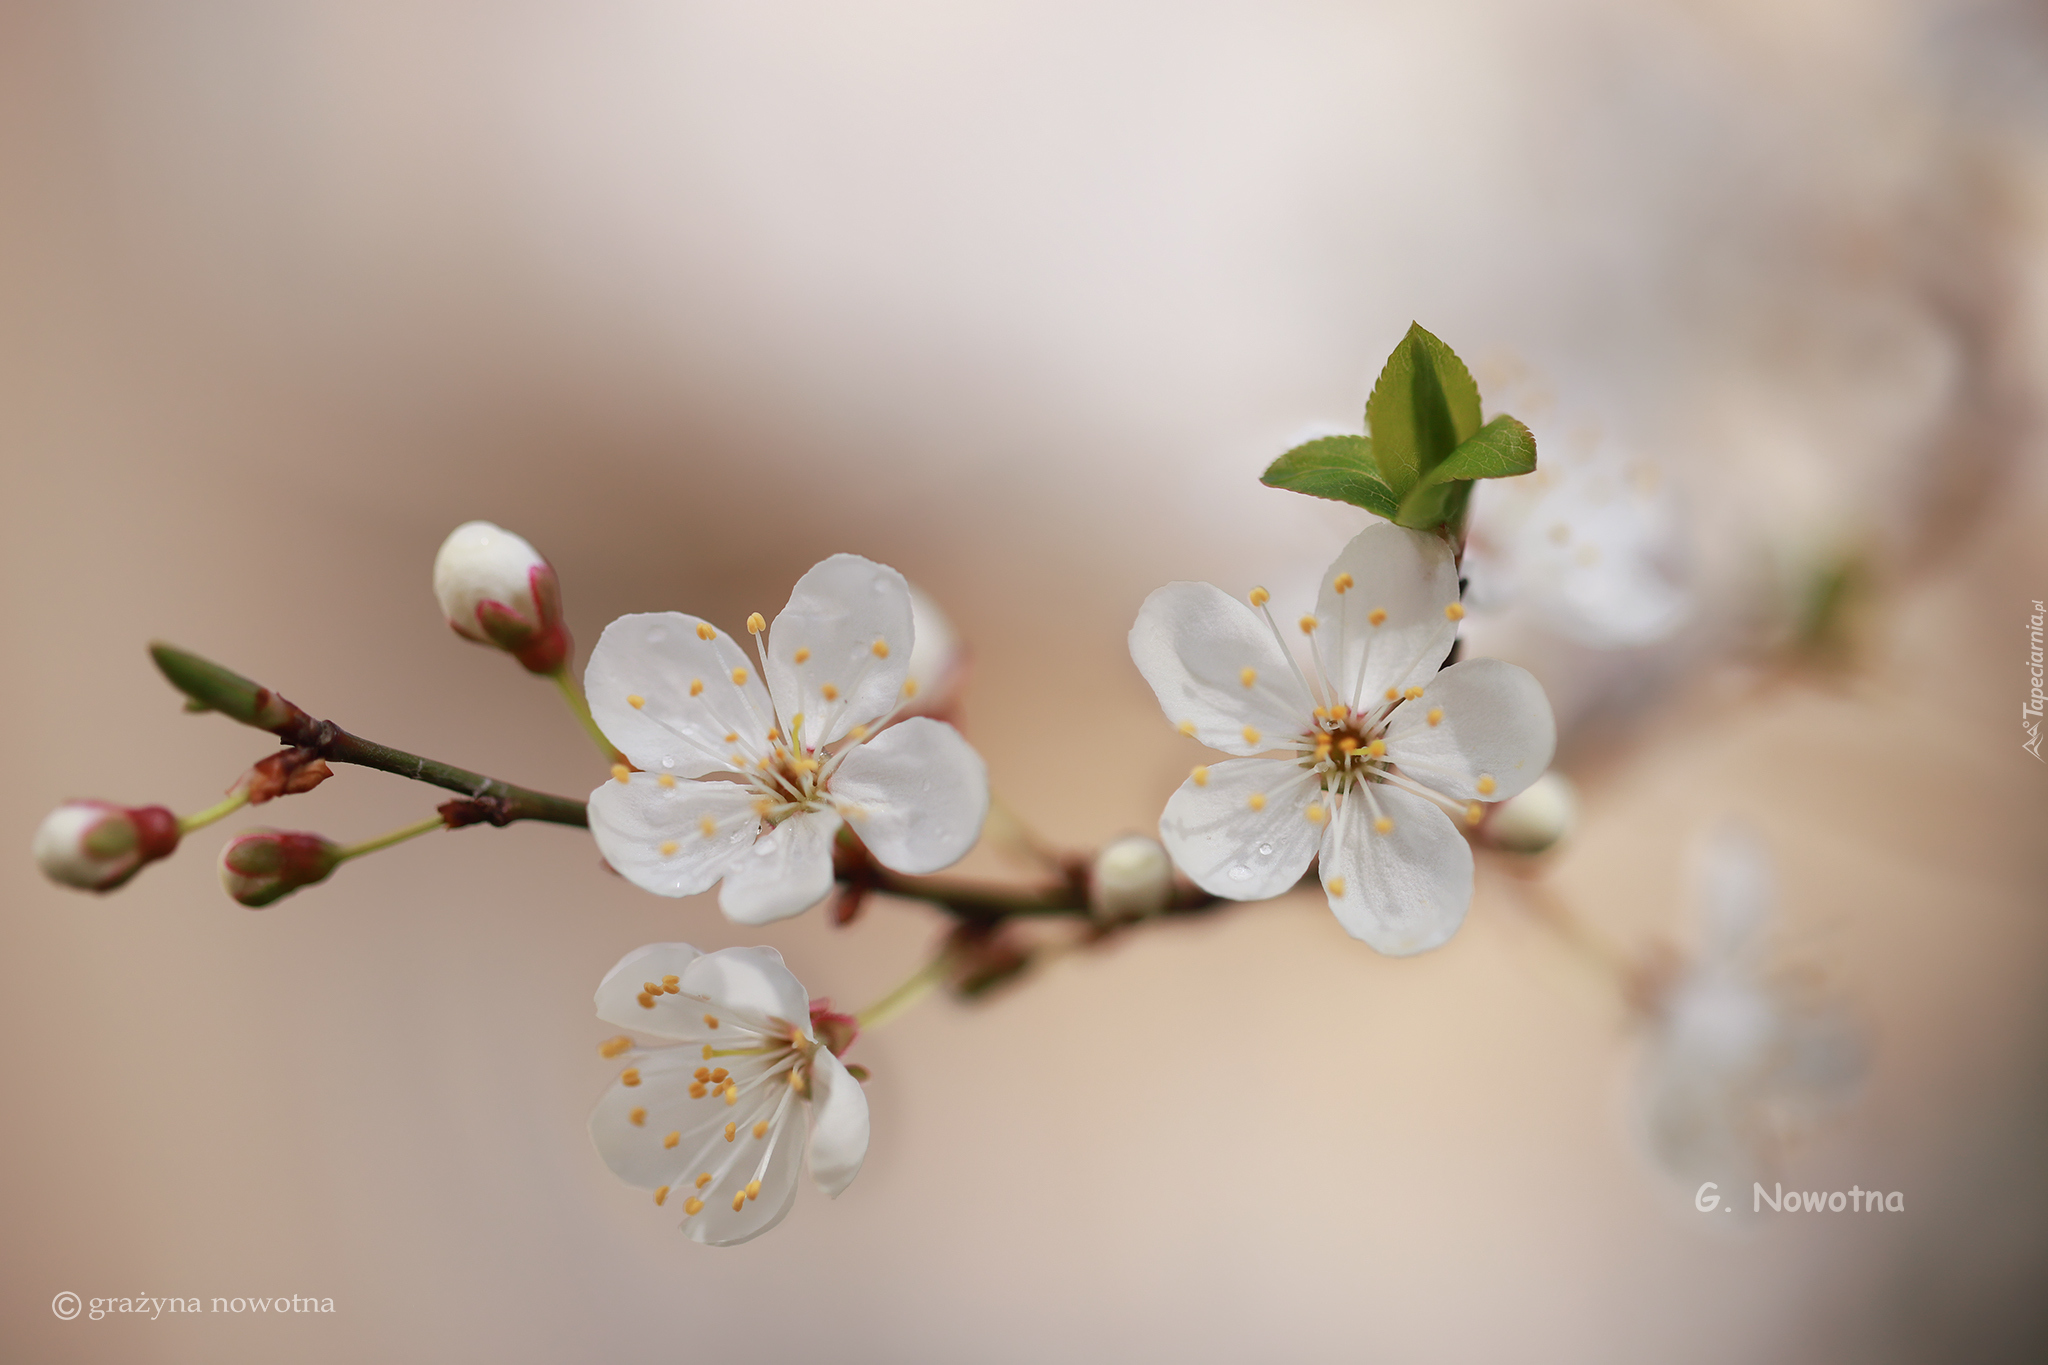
{"x": 495, "y": 589}
{"x": 938, "y": 664}
{"x": 266, "y": 865}
{"x": 1540, "y": 817}
{"x": 96, "y": 845}
{"x": 1132, "y": 878}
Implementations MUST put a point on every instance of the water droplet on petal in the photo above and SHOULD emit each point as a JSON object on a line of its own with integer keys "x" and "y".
{"x": 668, "y": 763}
{"x": 1265, "y": 850}
{"x": 1240, "y": 873}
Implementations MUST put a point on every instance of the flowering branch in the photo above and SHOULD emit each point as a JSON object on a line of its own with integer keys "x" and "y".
{"x": 488, "y": 800}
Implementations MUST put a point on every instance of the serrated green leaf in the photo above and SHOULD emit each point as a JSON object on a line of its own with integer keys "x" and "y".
{"x": 1501, "y": 449}
{"x": 1340, "y": 468}
{"x": 1423, "y": 407}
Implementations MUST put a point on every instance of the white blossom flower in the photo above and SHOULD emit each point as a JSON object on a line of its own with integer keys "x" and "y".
{"x": 495, "y": 589}
{"x": 712, "y": 1112}
{"x": 1740, "y": 1055}
{"x": 1378, "y": 743}
{"x": 1591, "y": 545}
{"x": 746, "y": 774}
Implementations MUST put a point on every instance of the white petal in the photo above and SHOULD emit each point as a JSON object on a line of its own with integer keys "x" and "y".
{"x": 618, "y": 994}
{"x": 1232, "y": 850}
{"x": 1410, "y": 576}
{"x": 751, "y": 982}
{"x": 656, "y": 838}
{"x": 659, "y": 657}
{"x": 788, "y": 871}
{"x": 1404, "y": 891}
{"x": 836, "y": 616}
{"x": 916, "y": 794}
{"x": 718, "y": 1225}
{"x": 839, "y": 1124}
{"x": 1496, "y": 723}
{"x": 481, "y": 563}
{"x": 634, "y": 1151}
{"x": 1194, "y": 643}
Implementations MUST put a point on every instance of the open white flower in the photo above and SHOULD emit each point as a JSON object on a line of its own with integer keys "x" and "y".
{"x": 776, "y": 767}
{"x": 1740, "y": 1055}
{"x": 712, "y": 1113}
{"x": 1379, "y": 742}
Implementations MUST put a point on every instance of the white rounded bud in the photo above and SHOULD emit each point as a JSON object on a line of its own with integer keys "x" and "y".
{"x": 97, "y": 845}
{"x": 937, "y": 663}
{"x": 1541, "y": 816}
{"x": 496, "y": 589}
{"x": 1132, "y": 878}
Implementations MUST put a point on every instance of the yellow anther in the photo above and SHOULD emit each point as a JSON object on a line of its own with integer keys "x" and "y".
{"x": 1320, "y": 713}
{"x": 753, "y": 1189}
{"x": 881, "y": 649}
{"x": 612, "y": 1047}
{"x": 1200, "y": 776}
{"x": 732, "y": 737}
{"x": 805, "y": 765}
{"x": 1474, "y": 812}
{"x": 646, "y": 999}
{"x": 755, "y": 625}
{"x": 1339, "y": 711}
{"x": 697, "y": 1090}
{"x": 1260, "y": 597}
{"x": 620, "y": 772}
{"x": 1378, "y": 616}
{"x": 1486, "y": 785}
{"x": 1436, "y": 716}
{"x": 1560, "y": 534}
{"x": 702, "y": 1073}
{"x": 1455, "y": 612}
{"x": 732, "y": 1095}
{"x": 661, "y": 1195}
{"x": 718, "y": 1076}
{"x": 1187, "y": 727}
{"x": 739, "y": 1201}
{"x": 636, "y": 701}
{"x": 860, "y": 732}
{"x": 1308, "y": 623}
{"x": 705, "y": 632}
{"x": 1251, "y": 734}
{"x": 669, "y": 846}
{"x": 1249, "y": 676}
{"x": 707, "y": 826}
{"x": 1342, "y": 582}
{"x": 829, "y": 692}
{"x": 665, "y": 781}
{"x": 707, "y": 1052}
{"x": 672, "y": 1139}
{"x": 636, "y": 1116}
{"x": 693, "y": 1205}
{"x": 761, "y": 1129}
{"x": 1383, "y": 825}
{"x": 1337, "y": 887}
{"x": 1256, "y": 801}
{"x": 630, "y": 1076}
{"x": 1376, "y": 749}
{"x": 731, "y": 1131}
{"x": 1348, "y": 744}
{"x": 802, "y": 656}
{"x": 711, "y": 1021}
{"x": 1393, "y": 694}
{"x": 696, "y": 687}
{"x": 1412, "y": 693}
{"x": 703, "y": 1180}
{"x": 910, "y": 687}
{"x": 739, "y": 677}
{"x": 1315, "y": 815}
{"x": 650, "y": 988}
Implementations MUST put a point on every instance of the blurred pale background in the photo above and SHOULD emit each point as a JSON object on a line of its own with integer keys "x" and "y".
{"x": 1018, "y": 299}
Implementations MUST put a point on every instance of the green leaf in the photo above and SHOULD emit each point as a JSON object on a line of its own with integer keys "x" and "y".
{"x": 1340, "y": 468}
{"x": 1422, "y": 408}
{"x": 1501, "y": 449}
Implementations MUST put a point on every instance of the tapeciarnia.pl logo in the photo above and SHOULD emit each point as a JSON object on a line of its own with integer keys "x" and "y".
{"x": 2030, "y": 714}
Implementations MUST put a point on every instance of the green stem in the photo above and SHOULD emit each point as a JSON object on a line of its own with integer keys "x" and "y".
{"x": 904, "y": 996}
{"x": 238, "y": 799}
{"x": 573, "y": 695}
{"x": 396, "y": 836}
{"x": 213, "y": 688}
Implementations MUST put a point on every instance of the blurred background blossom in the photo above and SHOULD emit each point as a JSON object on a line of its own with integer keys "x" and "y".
{"x": 1019, "y": 300}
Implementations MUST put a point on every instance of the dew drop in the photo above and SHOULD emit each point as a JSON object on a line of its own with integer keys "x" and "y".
{"x": 1240, "y": 873}
{"x": 1265, "y": 850}
{"x": 668, "y": 763}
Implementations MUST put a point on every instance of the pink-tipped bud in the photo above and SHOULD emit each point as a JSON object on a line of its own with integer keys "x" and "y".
{"x": 266, "y": 865}
{"x": 835, "y": 1030}
{"x": 495, "y": 589}
{"x": 97, "y": 845}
